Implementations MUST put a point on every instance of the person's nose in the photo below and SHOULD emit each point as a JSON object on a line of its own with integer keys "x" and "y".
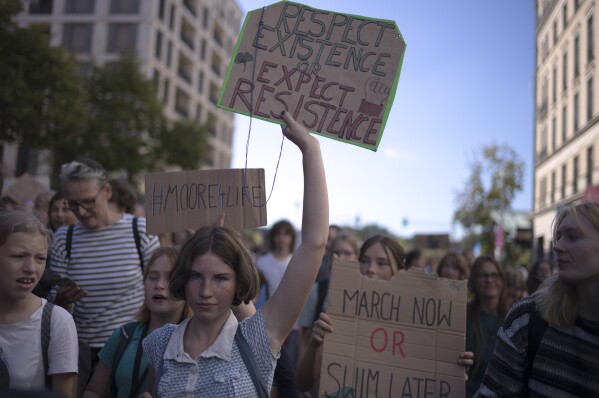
{"x": 29, "y": 264}
{"x": 162, "y": 284}
{"x": 558, "y": 247}
{"x": 371, "y": 268}
{"x": 206, "y": 289}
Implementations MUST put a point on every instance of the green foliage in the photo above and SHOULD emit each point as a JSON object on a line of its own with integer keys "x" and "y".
{"x": 494, "y": 181}
{"x": 124, "y": 118}
{"x": 41, "y": 98}
{"x": 183, "y": 144}
{"x": 113, "y": 116}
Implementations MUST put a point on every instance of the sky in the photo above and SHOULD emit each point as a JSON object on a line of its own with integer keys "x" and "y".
{"x": 467, "y": 81}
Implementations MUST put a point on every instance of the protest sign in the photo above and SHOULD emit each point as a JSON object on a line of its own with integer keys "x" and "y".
{"x": 335, "y": 73}
{"x": 176, "y": 201}
{"x": 397, "y": 338}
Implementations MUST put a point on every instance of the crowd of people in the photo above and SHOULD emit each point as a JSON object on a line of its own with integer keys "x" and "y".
{"x": 92, "y": 305}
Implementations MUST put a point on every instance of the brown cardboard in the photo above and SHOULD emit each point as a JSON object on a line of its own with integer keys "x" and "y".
{"x": 176, "y": 201}
{"x": 397, "y": 338}
{"x": 335, "y": 73}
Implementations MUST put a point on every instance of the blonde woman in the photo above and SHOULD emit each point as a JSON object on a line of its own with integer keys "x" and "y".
{"x": 124, "y": 374}
{"x": 549, "y": 342}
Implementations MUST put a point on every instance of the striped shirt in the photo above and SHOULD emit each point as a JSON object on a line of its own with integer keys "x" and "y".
{"x": 566, "y": 363}
{"x": 105, "y": 263}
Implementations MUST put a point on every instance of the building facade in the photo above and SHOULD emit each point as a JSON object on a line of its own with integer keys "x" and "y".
{"x": 566, "y": 128}
{"x": 183, "y": 45}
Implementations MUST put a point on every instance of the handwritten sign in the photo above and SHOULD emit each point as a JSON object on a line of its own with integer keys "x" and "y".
{"x": 397, "y": 338}
{"x": 190, "y": 199}
{"x": 336, "y": 73}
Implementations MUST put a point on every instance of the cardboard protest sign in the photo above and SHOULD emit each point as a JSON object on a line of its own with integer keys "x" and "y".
{"x": 336, "y": 73}
{"x": 397, "y": 338}
{"x": 176, "y": 201}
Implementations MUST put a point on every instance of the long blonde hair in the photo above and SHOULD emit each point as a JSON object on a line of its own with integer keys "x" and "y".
{"x": 556, "y": 299}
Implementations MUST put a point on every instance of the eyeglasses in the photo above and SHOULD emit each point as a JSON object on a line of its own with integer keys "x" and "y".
{"x": 494, "y": 276}
{"x": 87, "y": 204}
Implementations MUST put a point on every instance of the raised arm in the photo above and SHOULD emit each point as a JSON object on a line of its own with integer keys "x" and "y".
{"x": 284, "y": 306}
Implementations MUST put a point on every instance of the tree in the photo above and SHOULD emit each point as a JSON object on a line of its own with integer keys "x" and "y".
{"x": 494, "y": 181}
{"x": 126, "y": 127}
{"x": 41, "y": 97}
{"x": 124, "y": 119}
{"x": 184, "y": 144}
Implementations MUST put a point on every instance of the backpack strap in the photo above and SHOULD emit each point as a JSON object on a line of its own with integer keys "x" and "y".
{"x": 45, "y": 330}
{"x": 138, "y": 242}
{"x": 125, "y": 336}
{"x": 69, "y": 241}
{"x": 536, "y": 329}
{"x": 250, "y": 364}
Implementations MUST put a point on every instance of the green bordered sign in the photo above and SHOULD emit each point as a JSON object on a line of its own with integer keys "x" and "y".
{"x": 336, "y": 73}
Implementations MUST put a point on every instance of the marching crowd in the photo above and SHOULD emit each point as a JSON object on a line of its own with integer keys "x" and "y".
{"x": 92, "y": 305}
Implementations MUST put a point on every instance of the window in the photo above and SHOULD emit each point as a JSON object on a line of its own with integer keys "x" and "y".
{"x": 553, "y": 134}
{"x": 124, "y": 6}
{"x": 40, "y": 6}
{"x": 590, "y": 99}
{"x": 171, "y": 23}
{"x": 576, "y": 5}
{"x": 576, "y": 124}
{"x": 158, "y": 50}
{"x": 161, "y": 10}
{"x": 554, "y": 86}
{"x": 121, "y": 37}
{"x": 553, "y": 187}
{"x": 156, "y": 80}
{"x": 565, "y": 15}
{"x": 543, "y": 193}
{"x": 590, "y": 165}
{"x": 590, "y": 43}
{"x": 576, "y": 55}
{"x": 544, "y": 95}
{"x": 211, "y": 124}
{"x": 564, "y": 124}
{"x": 169, "y": 54}
{"x": 214, "y": 91}
{"x": 564, "y": 170}
{"x": 201, "y": 82}
{"x": 206, "y": 17}
{"x": 165, "y": 93}
{"x": 565, "y": 72}
{"x": 182, "y": 103}
{"x": 575, "y": 176}
{"x": 203, "y": 50}
{"x": 79, "y": 7}
{"x": 554, "y": 33}
{"x": 543, "y": 152}
{"x": 198, "y": 113}
{"x": 77, "y": 37}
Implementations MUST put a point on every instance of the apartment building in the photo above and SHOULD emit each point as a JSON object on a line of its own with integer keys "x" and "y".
{"x": 566, "y": 128}
{"x": 183, "y": 45}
